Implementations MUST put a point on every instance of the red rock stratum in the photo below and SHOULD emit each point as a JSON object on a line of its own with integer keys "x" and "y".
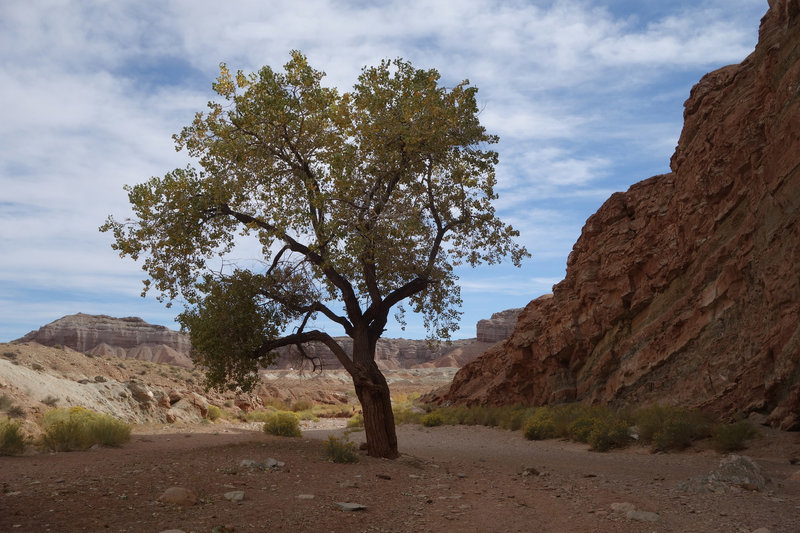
{"x": 686, "y": 288}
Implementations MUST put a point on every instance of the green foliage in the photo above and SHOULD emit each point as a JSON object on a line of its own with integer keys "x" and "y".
{"x": 12, "y": 439}
{"x": 79, "y": 429}
{"x": 432, "y": 420}
{"x": 540, "y": 425}
{"x": 356, "y": 421}
{"x": 366, "y": 197}
{"x": 407, "y": 416}
{"x": 213, "y": 413}
{"x": 671, "y": 428}
{"x": 302, "y": 404}
{"x": 283, "y": 424}
{"x": 261, "y": 415}
{"x": 5, "y": 402}
{"x": 732, "y": 437}
{"x": 340, "y": 450}
{"x": 608, "y": 432}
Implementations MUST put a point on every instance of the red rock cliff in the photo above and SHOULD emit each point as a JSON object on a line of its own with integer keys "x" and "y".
{"x": 686, "y": 288}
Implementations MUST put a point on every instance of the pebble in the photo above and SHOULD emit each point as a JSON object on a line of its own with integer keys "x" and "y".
{"x": 234, "y": 495}
{"x": 178, "y": 496}
{"x": 348, "y": 506}
{"x": 305, "y": 496}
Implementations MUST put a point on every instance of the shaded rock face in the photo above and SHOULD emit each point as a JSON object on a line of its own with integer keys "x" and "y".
{"x": 499, "y": 327}
{"x": 129, "y": 338}
{"x": 686, "y": 288}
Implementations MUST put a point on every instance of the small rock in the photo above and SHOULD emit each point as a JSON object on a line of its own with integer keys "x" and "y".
{"x": 100, "y": 379}
{"x": 274, "y": 463}
{"x": 642, "y": 516}
{"x": 234, "y": 495}
{"x": 346, "y": 506}
{"x": 178, "y": 496}
{"x": 305, "y": 496}
{"x": 530, "y": 471}
{"x": 383, "y": 476}
{"x": 253, "y": 465}
{"x": 461, "y": 475}
{"x": 624, "y": 507}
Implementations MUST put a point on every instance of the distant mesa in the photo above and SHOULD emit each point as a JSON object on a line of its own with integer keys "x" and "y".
{"x": 127, "y": 338}
{"x": 133, "y": 338}
{"x": 686, "y": 288}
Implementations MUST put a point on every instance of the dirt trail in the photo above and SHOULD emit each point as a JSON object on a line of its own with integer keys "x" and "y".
{"x": 449, "y": 479}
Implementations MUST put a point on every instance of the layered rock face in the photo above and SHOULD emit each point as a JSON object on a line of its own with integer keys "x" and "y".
{"x": 129, "y": 338}
{"x": 686, "y": 288}
{"x": 499, "y": 327}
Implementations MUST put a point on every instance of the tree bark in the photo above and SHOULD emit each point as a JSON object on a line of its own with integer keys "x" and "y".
{"x": 376, "y": 403}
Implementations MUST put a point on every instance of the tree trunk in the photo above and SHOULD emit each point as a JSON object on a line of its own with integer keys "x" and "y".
{"x": 376, "y": 403}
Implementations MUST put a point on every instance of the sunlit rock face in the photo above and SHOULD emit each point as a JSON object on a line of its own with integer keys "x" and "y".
{"x": 686, "y": 288}
{"x": 129, "y": 338}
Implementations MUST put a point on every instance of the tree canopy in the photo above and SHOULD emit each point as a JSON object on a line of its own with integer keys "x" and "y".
{"x": 358, "y": 201}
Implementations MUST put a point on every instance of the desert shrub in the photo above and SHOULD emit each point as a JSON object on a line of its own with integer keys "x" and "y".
{"x": 432, "y": 420}
{"x": 340, "y": 450}
{"x": 10, "y": 355}
{"x": 213, "y": 412}
{"x": 5, "y": 402}
{"x": 15, "y": 411}
{"x": 671, "y": 428}
{"x": 275, "y": 403}
{"x": 582, "y": 427}
{"x": 356, "y": 421}
{"x": 37, "y": 367}
{"x": 228, "y": 403}
{"x": 513, "y": 418}
{"x": 283, "y": 424}
{"x": 302, "y": 404}
{"x": 50, "y": 401}
{"x": 12, "y": 440}
{"x": 608, "y": 432}
{"x": 731, "y": 437}
{"x": 405, "y": 415}
{"x": 79, "y": 429}
{"x": 540, "y": 425}
{"x": 261, "y": 415}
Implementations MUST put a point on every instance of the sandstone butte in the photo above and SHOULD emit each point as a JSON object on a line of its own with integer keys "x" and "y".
{"x": 686, "y": 288}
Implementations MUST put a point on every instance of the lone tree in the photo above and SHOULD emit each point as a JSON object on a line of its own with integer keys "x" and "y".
{"x": 358, "y": 201}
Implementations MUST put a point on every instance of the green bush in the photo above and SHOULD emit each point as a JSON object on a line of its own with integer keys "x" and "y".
{"x": 404, "y": 415}
{"x": 5, "y": 402}
{"x": 261, "y": 416}
{"x": 607, "y": 433}
{"x": 731, "y": 437}
{"x": 340, "y": 450}
{"x": 671, "y": 428}
{"x": 356, "y": 421}
{"x": 213, "y": 412}
{"x": 79, "y": 429}
{"x": 15, "y": 411}
{"x": 283, "y": 424}
{"x": 540, "y": 425}
{"x": 582, "y": 428}
{"x": 432, "y": 420}
{"x": 302, "y": 404}
{"x": 12, "y": 440}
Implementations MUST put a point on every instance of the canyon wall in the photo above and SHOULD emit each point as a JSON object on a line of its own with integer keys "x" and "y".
{"x": 686, "y": 288}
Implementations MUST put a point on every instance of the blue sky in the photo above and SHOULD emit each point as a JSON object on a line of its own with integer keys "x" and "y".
{"x": 586, "y": 96}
